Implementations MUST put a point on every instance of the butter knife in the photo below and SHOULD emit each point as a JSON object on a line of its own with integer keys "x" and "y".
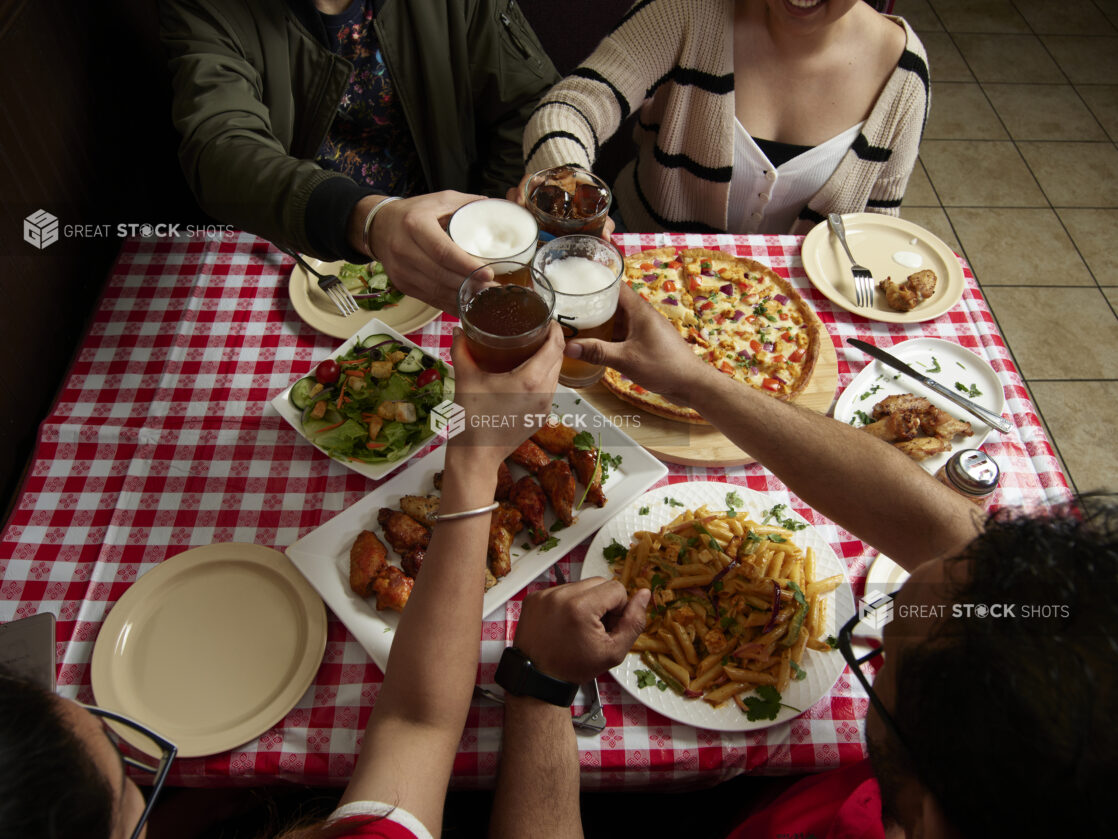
{"x": 988, "y": 417}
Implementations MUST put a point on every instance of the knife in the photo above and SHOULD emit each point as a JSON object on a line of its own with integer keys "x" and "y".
{"x": 988, "y": 417}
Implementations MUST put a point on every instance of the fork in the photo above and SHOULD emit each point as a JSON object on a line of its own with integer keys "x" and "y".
{"x": 593, "y": 718}
{"x": 331, "y": 285}
{"x": 863, "y": 279}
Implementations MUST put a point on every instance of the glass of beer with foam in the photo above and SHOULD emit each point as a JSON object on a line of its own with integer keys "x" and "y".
{"x": 501, "y": 232}
{"x": 585, "y": 273}
{"x": 505, "y": 323}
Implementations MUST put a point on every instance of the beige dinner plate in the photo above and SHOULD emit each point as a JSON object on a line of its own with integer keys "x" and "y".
{"x": 876, "y": 241}
{"x": 211, "y": 648}
{"x": 319, "y": 312}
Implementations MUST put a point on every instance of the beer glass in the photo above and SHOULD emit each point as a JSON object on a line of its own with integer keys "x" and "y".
{"x": 585, "y": 274}
{"x": 504, "y": 323}
{"x": 567, "y": 200}
{"x": 501, "y": 232}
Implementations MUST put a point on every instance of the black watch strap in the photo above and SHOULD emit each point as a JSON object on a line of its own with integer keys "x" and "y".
{"x": 517, "y": 675}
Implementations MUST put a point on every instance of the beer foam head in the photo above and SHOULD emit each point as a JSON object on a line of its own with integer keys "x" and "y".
{"x": 493, "y": 228}
{"x": 575, "y": 280}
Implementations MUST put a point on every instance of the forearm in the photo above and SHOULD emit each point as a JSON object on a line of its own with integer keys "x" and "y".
{"x": 538, "y": 779}
{"x": 857, "y": 481}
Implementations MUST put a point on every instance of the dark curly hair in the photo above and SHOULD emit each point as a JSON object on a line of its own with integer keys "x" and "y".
{"x": 50, "y": 788}
{"x": 1010, "y": 719}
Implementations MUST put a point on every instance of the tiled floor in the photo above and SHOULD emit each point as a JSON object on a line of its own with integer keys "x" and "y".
{"x": 1019, "y": 173}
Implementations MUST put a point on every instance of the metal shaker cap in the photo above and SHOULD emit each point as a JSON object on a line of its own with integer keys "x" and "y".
{"x": 973, "y": 472}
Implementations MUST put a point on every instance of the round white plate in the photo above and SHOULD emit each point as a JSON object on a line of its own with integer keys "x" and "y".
{"x": 211, "y": 648}
{"x": 874, "y": 239}
{"x": 956, "y": 365}
{"x": 823, "y": 669}
{"x": 319, "y": 312}
{"x": 885, "y": 576}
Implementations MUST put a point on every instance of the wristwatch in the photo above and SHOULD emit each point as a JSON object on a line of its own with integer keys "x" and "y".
{"x": 517, "y": 675}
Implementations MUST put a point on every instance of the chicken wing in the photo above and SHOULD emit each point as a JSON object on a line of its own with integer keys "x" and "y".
{"x": 421, "y": 508}
{"x": 558, "y": 482}
{"x": 946, "y": 427}
{"x": 412, "y": 561}
{"x": 557, "y": 439}
{"x": 900, "y": 402}
{"x": 402, "y": 531}
{"x": 530, "y": 456}
{"x": 588, "y": 467}
{"x": 367, "y": 558}
{"x": 528, "y": 497}
{"x": 921, "y": 448}
{"x": 393, "y": 587}
{"x": 504, "y": 524}
{"x": 504, "y": 482}
{"x": 906, "y": 296}
{"x": 895, "y": 427}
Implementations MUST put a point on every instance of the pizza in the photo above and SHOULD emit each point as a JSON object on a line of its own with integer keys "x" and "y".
{"x": 737, "y": 314}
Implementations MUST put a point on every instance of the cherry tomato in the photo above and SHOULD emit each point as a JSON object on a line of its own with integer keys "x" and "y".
{"x": 327, "y": 372}
{"x": 426, "y": 377}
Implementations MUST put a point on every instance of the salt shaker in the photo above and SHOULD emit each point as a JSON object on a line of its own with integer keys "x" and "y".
{"x": 972, "y": 474}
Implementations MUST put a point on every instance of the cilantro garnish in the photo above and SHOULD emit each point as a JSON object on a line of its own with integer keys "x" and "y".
{"x": 831, "y": 642}
{"x": 788, "y": 523}
{"x": 584, "y": 441}
{"x": 614, "y": 551}
{"x": 643, "y": 511}
{"x": 656, "y": 582}
{"x": 671, "y": 502}
{"x": 798, "y": 673}
{"x": 733, "y": 502}
{"x": 765, "y": 705}
{"x": 557, "y": 526}
{"x": 971, "y": 391}
{"x": 549, "y": 544}
{"x": 861, "y": 417}
{"x": 869, "y": 393}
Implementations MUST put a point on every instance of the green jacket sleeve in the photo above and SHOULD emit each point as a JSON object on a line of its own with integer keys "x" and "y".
{"x": 232, "y": 150}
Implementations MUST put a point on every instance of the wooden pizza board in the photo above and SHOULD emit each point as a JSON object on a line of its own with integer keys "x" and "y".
{"x": 703, "y": 445}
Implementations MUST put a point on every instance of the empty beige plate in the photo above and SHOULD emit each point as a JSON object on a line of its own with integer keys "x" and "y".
{"x": 883, "y": 244}
{"x": 211, "y": 648}
{"x": 319, "y": 312}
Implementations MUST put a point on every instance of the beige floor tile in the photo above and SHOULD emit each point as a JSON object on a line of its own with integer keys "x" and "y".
{"x": 918, "y": 14}
{"x": 979, "y": 173}
{"x": 1043, "y": 112}
{"x": 1073, "y": 174}
{"x": 1085, "y": 60}
{"x": 1008, "y": 58}
{"x": 961, "y": 112}
{"x": 1112, "y": 296}
{"x": 1030, "y": 320}
{"x": 919, "y": 192}
{"x": 1066, "y": 17}
{"x": 945, "y": 62}
{"x": 1110, "y": 9}
{"x": 935, "y": 220}
{"x": 1075, "y": 413}
{"x": 1102, "y": 99}
{"x": 1018, "y": 247}
{"x": 1095, "y": 233}
{"x": 979, "y": 16}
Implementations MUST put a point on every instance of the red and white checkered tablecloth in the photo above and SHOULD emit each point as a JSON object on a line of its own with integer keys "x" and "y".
{"x": 160, "y": 441}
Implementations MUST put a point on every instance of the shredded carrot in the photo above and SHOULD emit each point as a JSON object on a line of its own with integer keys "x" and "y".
{"x": 373, "y": 444}
{"x": 355, "y": 374}
{"x": 326, "y": 428}
{"x": 341, "y": 395}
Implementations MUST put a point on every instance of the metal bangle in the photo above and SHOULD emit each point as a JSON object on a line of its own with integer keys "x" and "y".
{"x": 365, "y": 237}
{"x": 465, "y": 514}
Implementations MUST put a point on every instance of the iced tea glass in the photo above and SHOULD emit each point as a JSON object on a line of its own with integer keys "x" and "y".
{"x": 566, "y": 200}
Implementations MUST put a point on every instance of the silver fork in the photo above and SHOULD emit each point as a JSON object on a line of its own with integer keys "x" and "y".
{"x": 593, "y": 718}
{"x": 863, "y": 279}
{"x": 331, "y": 285}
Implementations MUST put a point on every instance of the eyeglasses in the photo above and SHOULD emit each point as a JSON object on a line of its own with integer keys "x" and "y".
{"x": 845, "y": 637}
{"x": 158, "y": 770}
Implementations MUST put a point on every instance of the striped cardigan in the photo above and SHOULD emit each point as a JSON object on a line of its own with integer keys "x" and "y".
{"x": 673, "y": 60}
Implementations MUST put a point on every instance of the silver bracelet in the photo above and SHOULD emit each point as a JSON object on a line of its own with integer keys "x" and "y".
{"x": 465, "y": 514}
{"x": 369, "y": 222}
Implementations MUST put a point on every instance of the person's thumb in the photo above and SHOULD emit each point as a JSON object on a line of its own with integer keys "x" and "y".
{"x": 592, "y": 351}
{"x": 632, "y": 620}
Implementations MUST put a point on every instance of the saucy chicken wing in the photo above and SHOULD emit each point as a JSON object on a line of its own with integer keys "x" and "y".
{"x": 530, "y": 456}
{"x": 367, "y": 559}
{"x": 588, "y": 468}
{"x": 504, "y": 482}
{"x": 558, "y": 482}
{"x": 412, "y": 561}
{"x": 504, "y": 524}
{"x": 402, "y": 531}
{"x": 393, "y": 587}
{"x": 421, "y": 508}
{"x": 528, "y": 497}
{"x": 557, "y": 439}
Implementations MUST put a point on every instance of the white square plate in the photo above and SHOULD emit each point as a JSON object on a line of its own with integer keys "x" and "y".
{"x": 282, "y": 403}
{"x": 323, "y": 554}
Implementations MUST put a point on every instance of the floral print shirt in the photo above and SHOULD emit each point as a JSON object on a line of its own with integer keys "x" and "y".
{"x": 369, "y": 139}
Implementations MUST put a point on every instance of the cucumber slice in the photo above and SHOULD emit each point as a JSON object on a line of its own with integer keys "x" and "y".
{"x": 301, "y": 392}
{"x": 373, "y": 340}
{"x": 413, "y": 363}
{"x": 378, "y": 282}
